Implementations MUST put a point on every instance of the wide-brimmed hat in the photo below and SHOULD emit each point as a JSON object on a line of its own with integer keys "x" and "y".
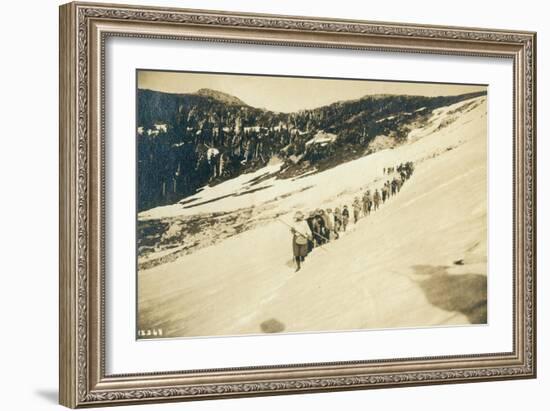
{"x": 298, "y": 215}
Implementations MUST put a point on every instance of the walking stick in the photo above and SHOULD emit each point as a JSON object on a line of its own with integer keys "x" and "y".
{"x": 303, "y": 235}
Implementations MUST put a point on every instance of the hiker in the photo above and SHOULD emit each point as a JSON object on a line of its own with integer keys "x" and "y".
{"x": 337, "y": 222}
{"x": 376, "y": 199}
{"x": 310, "y": 220}
{"x": 384, "y": 192}
{"x": 319, "y": 233}
{"x": 332, "y": 225}
{"x": 300, "y": 236}
{"x": 394, "y": 186}
{"x": 345, "y": 217}
{"x": 398, "y": 184}
{"x": 325, "y": 229}
{"x": 410, "y": 167}
{"x": 369, "y": 203}
{"x": 316, "y": 229}
{"x": 366, "y": 199}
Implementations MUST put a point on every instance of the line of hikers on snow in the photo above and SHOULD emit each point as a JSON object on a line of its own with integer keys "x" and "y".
{"x": 321, "y": 226}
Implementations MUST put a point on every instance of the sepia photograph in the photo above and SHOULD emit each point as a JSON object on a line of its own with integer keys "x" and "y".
{"x": 283, "y": 204}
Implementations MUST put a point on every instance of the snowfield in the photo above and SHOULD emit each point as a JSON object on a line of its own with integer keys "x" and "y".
{"x": 421, "y": 260}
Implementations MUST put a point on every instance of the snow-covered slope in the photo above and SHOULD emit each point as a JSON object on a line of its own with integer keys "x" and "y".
{"x": 418, "y": 261}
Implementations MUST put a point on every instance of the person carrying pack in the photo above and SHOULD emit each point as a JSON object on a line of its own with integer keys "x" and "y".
{"x": 301, "y": 234}
{"x": 376, "y": 199}
{"x": 345, "y": 217}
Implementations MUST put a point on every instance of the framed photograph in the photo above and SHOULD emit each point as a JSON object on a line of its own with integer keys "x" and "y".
{"x": 260, "y": 205}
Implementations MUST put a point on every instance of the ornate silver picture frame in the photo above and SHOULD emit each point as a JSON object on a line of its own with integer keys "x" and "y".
{"x": 84, "y": 30}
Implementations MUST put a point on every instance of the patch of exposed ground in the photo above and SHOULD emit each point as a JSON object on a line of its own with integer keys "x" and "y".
{"x": 465, "y": 293}
{"x": 163, "y": 241}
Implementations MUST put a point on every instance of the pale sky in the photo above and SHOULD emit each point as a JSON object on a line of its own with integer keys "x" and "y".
{"x": 288, "y": 94}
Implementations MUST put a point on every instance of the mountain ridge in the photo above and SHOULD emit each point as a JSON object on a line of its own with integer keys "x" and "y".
{"x": 221, "y": 96}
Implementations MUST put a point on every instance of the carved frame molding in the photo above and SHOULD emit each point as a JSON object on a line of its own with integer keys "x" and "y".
{"x": 84, "y": 27}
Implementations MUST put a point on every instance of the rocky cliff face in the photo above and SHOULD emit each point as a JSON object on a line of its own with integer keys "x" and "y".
{"x": 186, "y": 141}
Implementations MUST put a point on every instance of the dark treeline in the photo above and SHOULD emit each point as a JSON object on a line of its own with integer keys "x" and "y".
{"x": 186, "y": 141}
